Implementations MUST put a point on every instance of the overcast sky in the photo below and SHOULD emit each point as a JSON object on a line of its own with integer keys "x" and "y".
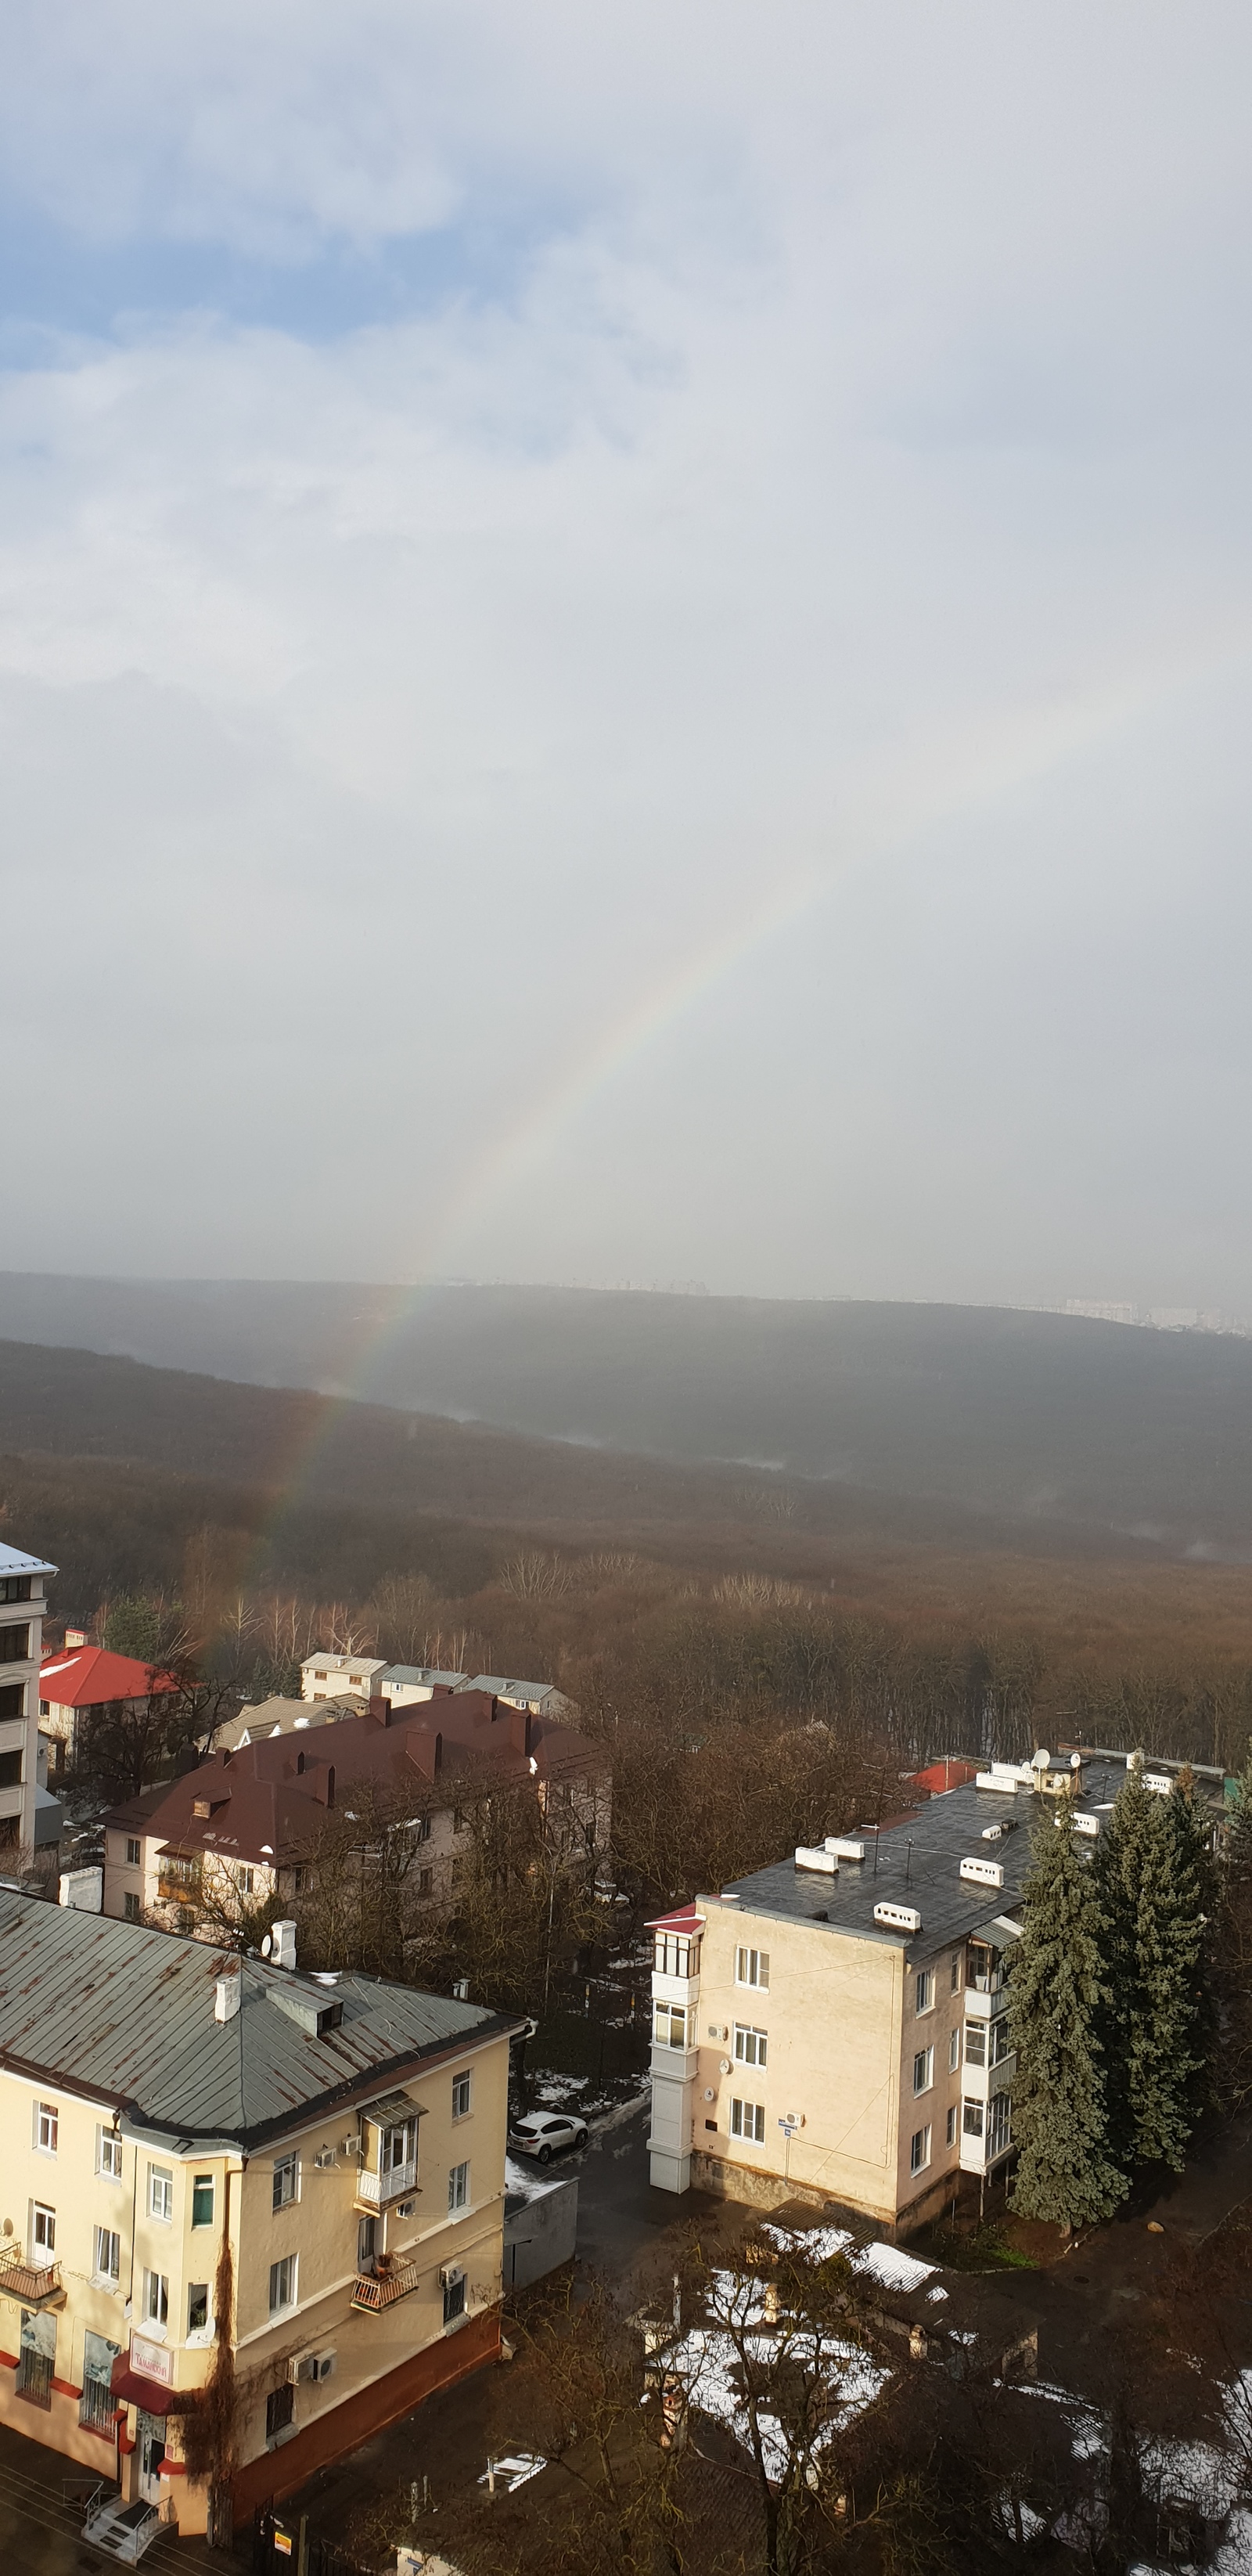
{"x": 624, "y": 643}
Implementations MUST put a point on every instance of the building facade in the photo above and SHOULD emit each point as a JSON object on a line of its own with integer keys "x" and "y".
{"x": 23, "y": 1767}
{"x": 225, "y": 2176}
{"x": 835, "y": 2027}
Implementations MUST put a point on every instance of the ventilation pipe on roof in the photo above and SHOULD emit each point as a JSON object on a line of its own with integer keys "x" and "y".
{"x": 526, "y": 1734}
{"x": 226, "y": 1996}
{"x": 279, "y": 1945}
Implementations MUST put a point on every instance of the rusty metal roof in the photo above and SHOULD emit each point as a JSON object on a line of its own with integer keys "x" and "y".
{"x": 126, "y": 2017}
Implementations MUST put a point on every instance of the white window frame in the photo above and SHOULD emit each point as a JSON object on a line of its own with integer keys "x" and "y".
{"x": 747, "y": 2121}
{"x": 458, "y": 2187}
{"x": 108, "y": 2153}
{"x": 462, "y": 2096}
{"x": 752, "y": 1968}
{"x": 47, "y": 2128}
{"x": 667, "y": 2017}
{"x": 751, "y": 2045}
{"x": 975, "y": 2043}
{"x": 134, "y": 1851}
{"x": 43, "y": 2230}
{"x": 952, "y": 2124}
{"x": 919, "y": 2150}
{"x": 161, "y": 2194}
{"x": 108, "y": 2243}
{"x": 286, "y": 2170}
{"x": 999, "y": 2044}
{"x": 999, "y": 2123}
{"x": 956, "y": 1972}
{"x": 954, "y": 2050}
{"x": 972, "y": 2117}
{"x": 923, "y": 2070}
{"x": 284, "y": 2273}
{"x": 924, "y": 1991}
{"x": 156, "y": 2297}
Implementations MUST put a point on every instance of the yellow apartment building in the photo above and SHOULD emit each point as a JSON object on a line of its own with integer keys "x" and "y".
{"x": 248, "y": 2217}
{"x": 833, "y": 2028}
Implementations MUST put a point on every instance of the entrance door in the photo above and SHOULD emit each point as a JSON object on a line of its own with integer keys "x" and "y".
{"x": 150, "y": 2443}
{"x": 366, "y": 2244}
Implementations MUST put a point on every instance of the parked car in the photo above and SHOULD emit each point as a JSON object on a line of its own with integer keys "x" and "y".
{"x": 543, "y": 2134}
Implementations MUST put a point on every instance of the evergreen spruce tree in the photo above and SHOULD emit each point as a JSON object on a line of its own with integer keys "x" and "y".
{"x": 1155, "y": 1893}
{"x": 1234, "y": 1948}
{"x": 1065, "y": 2172}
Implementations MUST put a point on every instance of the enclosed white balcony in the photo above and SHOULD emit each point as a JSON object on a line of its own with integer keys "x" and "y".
{"x": 376, "y": 2190}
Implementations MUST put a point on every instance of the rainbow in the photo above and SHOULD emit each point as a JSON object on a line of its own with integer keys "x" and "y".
{"x": 943, "y": 781}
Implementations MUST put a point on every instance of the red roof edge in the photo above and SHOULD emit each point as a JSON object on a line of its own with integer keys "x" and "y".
{"x": 686, "y": 1921}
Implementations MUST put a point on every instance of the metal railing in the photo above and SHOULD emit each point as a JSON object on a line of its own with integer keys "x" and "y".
{"x": 34, "y": 2378}
{"x": 97, "y": 2407}
{"x": 381, "y": 2289}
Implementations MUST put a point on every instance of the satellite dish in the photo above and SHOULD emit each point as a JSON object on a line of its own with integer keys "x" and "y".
{"x": 1075, "y": 1762}
{"x": 709, "y": 2094}
{"x": 725, "y": 2066}
{"x": 1040, "y": 1760}
{"x": 266, "y": 1946}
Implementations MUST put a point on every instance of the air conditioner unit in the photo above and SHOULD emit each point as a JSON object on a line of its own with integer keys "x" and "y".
{"x": 326, "y": 2159}
{"x": 315, "y": 2366}
{"x": 449, "y": 2275}
{"x": 352, "y": 2147}
{"x": 793, "y": 2119}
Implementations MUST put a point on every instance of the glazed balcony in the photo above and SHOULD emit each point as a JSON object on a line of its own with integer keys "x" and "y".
{"x": 378, "y": 2190}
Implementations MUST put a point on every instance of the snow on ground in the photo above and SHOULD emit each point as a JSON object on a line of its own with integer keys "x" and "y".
{"x": 706, "y": 2361}
{"x": 889, "y": 2265}
{"x": 1234, "y": 2558}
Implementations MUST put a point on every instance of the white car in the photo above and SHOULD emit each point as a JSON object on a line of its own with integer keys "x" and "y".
{"x": 543, "y": 2134}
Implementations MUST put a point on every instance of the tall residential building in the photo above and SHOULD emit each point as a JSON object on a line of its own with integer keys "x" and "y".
{"x": 23, "y": 1606}
{"x": 237, "y": 2197}
{"x": 834, "y": 2028}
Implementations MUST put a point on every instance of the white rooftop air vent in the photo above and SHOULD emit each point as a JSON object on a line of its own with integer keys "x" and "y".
{"x": 1005, "y": 1777}
{"x": 898, "y": 1918}
{"x": 843, "y": 1849}
{"x": 983, "y": 1873}
{"x": 226, "y": 1997}
{"x": 1082, "y": 1824}
{"x": 811, "y": 1859}
{"x": 279, "y": 1945}
{"x": 992, "y": 1833}
{"x": 1159, "y": 1782}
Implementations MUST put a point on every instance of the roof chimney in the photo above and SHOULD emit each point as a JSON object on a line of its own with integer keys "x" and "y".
{"x": 226, "y": 1996}
{"x": 526, "y": 1735}
{"x": 279, "y": 1945}
{"x": 379, "y": 1706}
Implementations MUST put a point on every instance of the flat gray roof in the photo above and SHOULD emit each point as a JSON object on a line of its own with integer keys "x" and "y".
{"x": 126, "y": 2016}
{"x": 916, "y": 1861}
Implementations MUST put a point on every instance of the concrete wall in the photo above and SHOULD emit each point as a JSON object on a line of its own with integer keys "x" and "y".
{"x": 540, "y": 2231}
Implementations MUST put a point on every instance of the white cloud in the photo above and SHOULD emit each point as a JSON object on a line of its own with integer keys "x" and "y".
{"x": 839, "y": 482}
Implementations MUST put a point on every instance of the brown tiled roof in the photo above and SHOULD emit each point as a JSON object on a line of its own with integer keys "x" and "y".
{"x": 265, "y": 1802}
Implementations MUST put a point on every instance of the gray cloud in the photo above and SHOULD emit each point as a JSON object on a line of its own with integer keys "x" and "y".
{"x": 701, "y": 734}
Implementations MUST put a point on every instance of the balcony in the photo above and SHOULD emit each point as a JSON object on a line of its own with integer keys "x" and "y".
{"x": 674, "y": 2065}
{"x": 378, "y": 2190}
{"x": 985, "y": 1999}
{"x": 36, "y": 2285}
{"x": 387, "y": 2283}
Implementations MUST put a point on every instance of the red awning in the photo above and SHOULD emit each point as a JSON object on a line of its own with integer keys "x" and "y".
{"x": 134, "y": 2388}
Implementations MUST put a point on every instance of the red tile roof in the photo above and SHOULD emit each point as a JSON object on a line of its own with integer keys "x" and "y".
{"x": 267, "y": 1800}
{"x": 89, "y": 1677}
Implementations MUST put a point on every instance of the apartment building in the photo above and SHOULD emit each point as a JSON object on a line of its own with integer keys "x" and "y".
{"x": 240, "y": 1831}
{"x": 23, "y": 1766}
{"x": 215, "y": 2163}
{"x": 833, "y": 2027}
{"x": 329, "y": 1677}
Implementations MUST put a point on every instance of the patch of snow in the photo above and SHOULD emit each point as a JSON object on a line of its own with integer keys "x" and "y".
{"x": 890, "y": 2265}
{"x": 938, "y": 2292}
{"x": 1234, "y": 2558}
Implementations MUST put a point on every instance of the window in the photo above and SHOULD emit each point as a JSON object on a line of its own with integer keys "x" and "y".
{"x": 462, "y": 2095}
{"x": 202, "y": 2200}
{"x": 975, "y": 2043}
{"x": 747, "y": 2120}
{"x": 924, "y": 1991}
{"x": 956, "y": 1972}
{"x": 156, "y": 2298}
{"x": 954, "y": 2051}
{"x": 671, "y": 2026}
{"x": 459, "y": 1820}
{"x": 286, "y": 2181}
{"x": 13, "y": 1699}
{"x": 108, "y": 2254}
{"x": 197, "y": 2306}
{"x": 999, "y": 2123}
{"x": 246, "y": 1880}
{"x": 425, "y": 1881}
{"x": 134, "y": 1850}
{"x": 752, "y": 1968}
{"x": 453, "y": 2297}
{"x": 971, "y": 2118}
{"x": 47, "y": 2127}
{"x": 458, "y": 2187}
{"x": 15, "y": 1587}
{"x": 43, "y": 2228}
{"x": 421, "y": 1831}
{"x": 750, "y": 2045}
{"x": 923, "y": 2070}
{"x": 280, "y": 2406}
{"x": 109, "y": 2154}
{"x": 130, "y": 1908}
{"x": 14, "y": 1645}
{"x": 282, "y": 2285}
{"x": 952, "y": 2126}
{"x": 397, "y": 2147}
{"x": 919, "y": 2150}
{"x": 11, "y": 1770}
{"x": 160, "y": 2192}
{"x": 1001, "y": 2044}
